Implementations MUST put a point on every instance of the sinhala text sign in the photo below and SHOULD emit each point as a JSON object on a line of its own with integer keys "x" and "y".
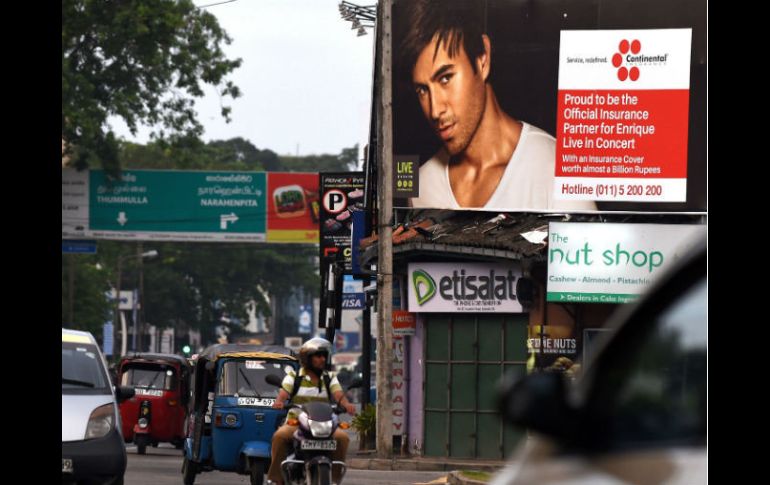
{"x": 612, "y": 263}
{"x": 467, "y": 287}
{"x": 181, "y": 205}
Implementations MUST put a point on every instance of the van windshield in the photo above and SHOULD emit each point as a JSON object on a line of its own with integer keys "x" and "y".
{"x": 246, "y": 378}
{"x": 82, "y": 370}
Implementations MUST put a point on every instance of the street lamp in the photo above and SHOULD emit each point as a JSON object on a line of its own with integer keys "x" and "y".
{"x": 362, "y": 16}
{"x": 140, "y": 256}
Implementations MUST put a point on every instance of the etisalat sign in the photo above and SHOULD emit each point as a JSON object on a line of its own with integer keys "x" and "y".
{"x": 470, "y": 287}
{"x": 612, "y": 263}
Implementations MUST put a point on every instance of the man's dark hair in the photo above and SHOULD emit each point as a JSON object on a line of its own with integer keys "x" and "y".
{"x": 416, "y": 22}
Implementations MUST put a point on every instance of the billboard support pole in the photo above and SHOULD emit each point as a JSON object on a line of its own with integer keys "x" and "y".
{"x": 385, "y": 231}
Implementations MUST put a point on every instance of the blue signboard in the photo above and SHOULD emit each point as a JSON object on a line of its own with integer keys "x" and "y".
{"x": 78, "y": 246}
{"x": 305, "y": 319}
{"x": 353, "y": 301}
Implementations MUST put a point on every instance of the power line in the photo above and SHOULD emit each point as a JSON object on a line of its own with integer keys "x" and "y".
{"x": 212, "y": 4}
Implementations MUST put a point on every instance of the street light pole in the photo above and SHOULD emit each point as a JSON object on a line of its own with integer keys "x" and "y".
{"x": 139, "y": 256}
{"x": 118, "y": 321}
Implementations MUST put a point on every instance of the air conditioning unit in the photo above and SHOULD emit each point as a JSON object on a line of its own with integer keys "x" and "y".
{"x": 294, "y": 343}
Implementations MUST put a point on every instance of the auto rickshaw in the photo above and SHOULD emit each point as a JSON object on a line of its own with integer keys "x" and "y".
{"x": 231, "y": 421}
{"x": 158, "y": 410}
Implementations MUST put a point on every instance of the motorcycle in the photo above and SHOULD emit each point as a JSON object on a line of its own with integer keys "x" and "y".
{"x": 309, "y": 460}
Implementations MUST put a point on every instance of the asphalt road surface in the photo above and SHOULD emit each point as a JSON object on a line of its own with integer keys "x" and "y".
{"x": 163, "y": 465}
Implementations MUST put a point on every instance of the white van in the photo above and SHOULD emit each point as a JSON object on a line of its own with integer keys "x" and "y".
{"x": 92, "y": 448}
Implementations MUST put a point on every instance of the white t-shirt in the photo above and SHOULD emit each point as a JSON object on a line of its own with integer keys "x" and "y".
{"x": 526, "y": 184}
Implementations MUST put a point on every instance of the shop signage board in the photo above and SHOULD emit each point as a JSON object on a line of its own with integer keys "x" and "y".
{"x": 404, "y": 323}
{"x": 612, "y": 263}
{"x": 464, "y": 287}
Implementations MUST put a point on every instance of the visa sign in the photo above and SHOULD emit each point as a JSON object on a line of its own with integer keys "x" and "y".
{"x": 353, "y": 301}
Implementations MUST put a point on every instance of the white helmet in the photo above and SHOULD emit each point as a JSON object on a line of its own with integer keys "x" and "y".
{"x": 312, "y": 347}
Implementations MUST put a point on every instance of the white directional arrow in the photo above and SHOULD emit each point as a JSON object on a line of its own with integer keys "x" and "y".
{"x": 122, "y": 219}
{"x": 225, "y": 218}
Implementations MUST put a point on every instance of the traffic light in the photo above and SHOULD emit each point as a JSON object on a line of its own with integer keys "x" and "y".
{"x": 186, "y": 349}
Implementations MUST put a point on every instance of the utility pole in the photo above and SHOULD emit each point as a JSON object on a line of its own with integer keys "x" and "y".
{"x": 140, "y": 300}
{"x": 71, "y": 290}
{"x": 385, "y": 242}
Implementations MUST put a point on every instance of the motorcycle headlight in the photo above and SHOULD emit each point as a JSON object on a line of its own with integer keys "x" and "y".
{"x": 100, "y": 422}
{"x": 142, "y": 422}
{"x": 320, "y": 429}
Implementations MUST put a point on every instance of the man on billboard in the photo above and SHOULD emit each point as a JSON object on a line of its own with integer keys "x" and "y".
{"x": 488, "y": 159}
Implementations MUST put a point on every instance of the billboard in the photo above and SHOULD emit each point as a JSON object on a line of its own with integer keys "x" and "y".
{"x": 293, "y": 209}
{"x": 342, "y": 193}
{"x": 602, "y": 262}
{"x": 577, "y": 106}
{"x": 186, "y": 205}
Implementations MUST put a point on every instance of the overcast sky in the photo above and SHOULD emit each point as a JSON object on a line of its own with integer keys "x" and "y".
{"x": 305, "y": 78}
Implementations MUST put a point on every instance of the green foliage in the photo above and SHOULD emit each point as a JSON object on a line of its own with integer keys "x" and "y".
{"x": 90, "y": 308}
{"x": 141, "y": 60}
{"x": 346, "y": 161}
{"x": 365, "y": 422}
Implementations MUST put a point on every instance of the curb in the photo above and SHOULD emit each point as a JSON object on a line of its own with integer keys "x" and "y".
{"x": 417, "y": 464}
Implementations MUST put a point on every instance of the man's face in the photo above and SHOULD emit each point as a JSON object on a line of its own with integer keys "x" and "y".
{"x": 318, "y": 361}
{"x": 451, "y": 94}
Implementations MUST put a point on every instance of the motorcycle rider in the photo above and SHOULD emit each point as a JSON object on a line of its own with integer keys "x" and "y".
{"x": 315, "y": 380}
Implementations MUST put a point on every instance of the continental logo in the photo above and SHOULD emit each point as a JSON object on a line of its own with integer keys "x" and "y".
{"x": 628, "y": 59}
{"x": 461, "y": 286}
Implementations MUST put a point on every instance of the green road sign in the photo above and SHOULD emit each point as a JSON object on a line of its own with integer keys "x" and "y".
{"x": 179, "y": 205}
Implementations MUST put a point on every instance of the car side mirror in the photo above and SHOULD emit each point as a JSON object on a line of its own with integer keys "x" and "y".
{"x": 124, "y": 392}
{"x": 274, "y": 380}
{"x": 539, "y": 402}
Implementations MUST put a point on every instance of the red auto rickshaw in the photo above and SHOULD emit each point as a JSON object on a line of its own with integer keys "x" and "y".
{"x": 158, "y": 410}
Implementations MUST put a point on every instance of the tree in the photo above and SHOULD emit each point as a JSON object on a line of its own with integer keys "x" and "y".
{"x": 88, "y": 285}
{"x": 141, "y": 60}
{"x": 347, "y": 160}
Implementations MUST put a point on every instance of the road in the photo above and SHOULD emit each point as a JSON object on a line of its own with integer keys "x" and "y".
{"x": 162, "y": 466}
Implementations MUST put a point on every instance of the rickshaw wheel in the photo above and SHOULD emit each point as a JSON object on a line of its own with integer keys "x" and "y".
{"x": 188, "y": 472}
{"x": 257, "y": 472}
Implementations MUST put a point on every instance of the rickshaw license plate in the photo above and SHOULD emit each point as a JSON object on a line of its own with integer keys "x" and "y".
{"x": 255, "y": 401}
{"x": 66, "y": 465}
{"x": 148, "y": 392}
{"x": 329, "y": 445}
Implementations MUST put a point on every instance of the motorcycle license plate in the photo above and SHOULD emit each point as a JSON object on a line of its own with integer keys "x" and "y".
{"x": 66, "y": 465}
{"x": 327, "y": 445}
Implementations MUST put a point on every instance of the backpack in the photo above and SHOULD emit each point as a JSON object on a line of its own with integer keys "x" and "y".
{"x": 298, "y": 382}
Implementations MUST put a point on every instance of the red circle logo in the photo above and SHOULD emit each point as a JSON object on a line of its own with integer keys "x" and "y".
{"x": 622, "y": 73}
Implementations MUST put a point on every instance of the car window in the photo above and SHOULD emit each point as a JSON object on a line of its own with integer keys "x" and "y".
{"x": 662, "y": 394}
{"x": 82, "y": 371}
